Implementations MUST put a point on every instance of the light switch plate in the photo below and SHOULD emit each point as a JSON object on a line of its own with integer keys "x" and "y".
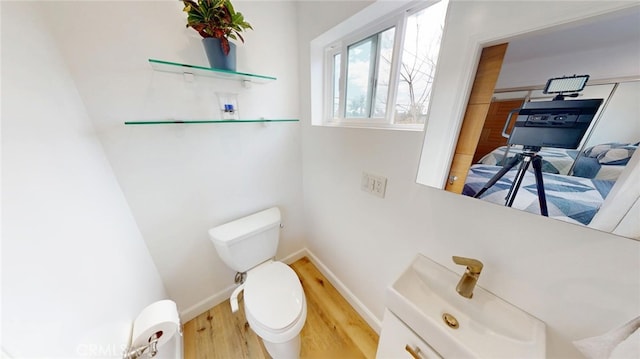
{"x": 376, "y": 185}
{"x": 379, "y": 186}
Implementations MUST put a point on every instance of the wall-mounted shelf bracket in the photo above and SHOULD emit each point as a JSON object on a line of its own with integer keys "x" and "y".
{"x": 188, "y": 77}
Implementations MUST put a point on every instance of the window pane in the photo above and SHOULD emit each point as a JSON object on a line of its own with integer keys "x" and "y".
{"x": 384, "y": 72}
{"x": 336, "y": 85}
{"x": 359, "y": 78}
{"x": 421, "y": 46}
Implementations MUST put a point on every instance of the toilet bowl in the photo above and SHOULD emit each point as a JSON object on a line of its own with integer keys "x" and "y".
{"x": 275, "y": 307}
{"x": 274, "y": 301}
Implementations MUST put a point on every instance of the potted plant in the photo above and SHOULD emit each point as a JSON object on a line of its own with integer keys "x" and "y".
{"x": 217, "y": 22}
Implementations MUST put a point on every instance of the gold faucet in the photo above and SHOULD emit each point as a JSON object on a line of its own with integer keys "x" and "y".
{"x": 470, "y": 277}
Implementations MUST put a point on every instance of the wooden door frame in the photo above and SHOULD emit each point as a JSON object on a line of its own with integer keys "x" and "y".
{"x": 476, "y": 111}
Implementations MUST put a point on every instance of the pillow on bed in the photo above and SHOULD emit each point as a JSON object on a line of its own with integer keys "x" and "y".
{"x": 611, "y": 153}
{"x": 596, "y": 150}
{"x": 587, "y": 167}
{"x": 616, "y": 156}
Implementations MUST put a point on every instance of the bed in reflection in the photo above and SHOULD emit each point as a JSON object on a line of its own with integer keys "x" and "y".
{"x": 573, "y": 195}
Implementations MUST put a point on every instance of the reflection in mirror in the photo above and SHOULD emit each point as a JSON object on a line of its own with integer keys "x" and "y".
{"x": 595, "y": 183}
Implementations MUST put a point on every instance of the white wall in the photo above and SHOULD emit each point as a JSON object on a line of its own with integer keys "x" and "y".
{"x": 620, "y": 120}
{"x": 579, "y": 281}
{"x": 75, "y": 270}
{"x": 598, "y": 63}
{"x": 181, "y": 180}
{"x": 604, "y": 49}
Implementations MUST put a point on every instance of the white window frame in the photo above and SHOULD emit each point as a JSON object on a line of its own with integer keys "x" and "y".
{"x": 396, "y": 18}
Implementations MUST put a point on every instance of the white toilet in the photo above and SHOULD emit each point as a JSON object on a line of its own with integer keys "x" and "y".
{"x": 274, "y": 301}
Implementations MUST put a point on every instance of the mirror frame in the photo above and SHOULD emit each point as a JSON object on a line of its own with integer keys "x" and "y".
{"x": 472, "y": 26}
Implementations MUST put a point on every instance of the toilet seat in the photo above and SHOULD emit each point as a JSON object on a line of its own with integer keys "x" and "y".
{"x": 274, "y": 301}
{"x": 273, "y": 295}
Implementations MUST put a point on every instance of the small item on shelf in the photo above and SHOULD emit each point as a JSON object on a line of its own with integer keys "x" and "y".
{"x": 228, "y": 106}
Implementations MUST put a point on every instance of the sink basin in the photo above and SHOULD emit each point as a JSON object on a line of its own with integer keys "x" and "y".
{"x": 488, "y": 326}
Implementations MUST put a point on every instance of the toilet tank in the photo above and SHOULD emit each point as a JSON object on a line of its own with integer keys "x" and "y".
{"x": 246, "y": 242}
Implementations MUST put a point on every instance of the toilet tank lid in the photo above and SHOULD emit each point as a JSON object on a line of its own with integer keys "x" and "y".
{"x": 246, "y": 226}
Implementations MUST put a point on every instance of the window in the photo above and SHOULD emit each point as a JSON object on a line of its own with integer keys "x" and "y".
{"x": 382, "y": 76}
{"x": 368, "y": 73}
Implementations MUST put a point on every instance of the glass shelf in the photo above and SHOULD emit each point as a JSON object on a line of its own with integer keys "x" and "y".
{"x": 172, "y": 122}
{"x": 175, "y": 67}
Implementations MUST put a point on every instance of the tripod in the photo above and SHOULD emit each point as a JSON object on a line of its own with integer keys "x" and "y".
{"x": 529, "y": 155}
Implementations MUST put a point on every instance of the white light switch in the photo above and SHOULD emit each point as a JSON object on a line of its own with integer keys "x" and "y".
{"x": 376, "y": 185}
{"x": 379, "y": 186}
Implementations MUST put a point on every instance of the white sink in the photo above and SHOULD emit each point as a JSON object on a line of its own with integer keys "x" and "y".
{"x": 489, "y": 327}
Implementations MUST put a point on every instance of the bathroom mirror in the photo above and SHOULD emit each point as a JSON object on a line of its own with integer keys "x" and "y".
{"x": 601, "y": 40}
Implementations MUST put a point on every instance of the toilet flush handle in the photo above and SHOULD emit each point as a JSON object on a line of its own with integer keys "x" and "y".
{"x": 234, "y": 298}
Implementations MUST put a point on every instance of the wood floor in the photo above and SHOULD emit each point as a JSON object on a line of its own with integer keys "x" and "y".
{"x": 333, "y": 328}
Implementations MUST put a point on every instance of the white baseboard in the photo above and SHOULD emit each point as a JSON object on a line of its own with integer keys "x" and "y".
{"x": 295, "y": 256}
{"x": 206, "y": 304}
{"x": 224, "y": 294}
{"x": 366, "y": 314}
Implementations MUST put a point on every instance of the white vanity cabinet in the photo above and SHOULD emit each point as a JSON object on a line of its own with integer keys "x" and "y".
{"x": 398, "y": 341}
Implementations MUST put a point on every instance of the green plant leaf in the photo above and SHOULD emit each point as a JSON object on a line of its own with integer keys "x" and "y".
{"x": 215, "y": 18}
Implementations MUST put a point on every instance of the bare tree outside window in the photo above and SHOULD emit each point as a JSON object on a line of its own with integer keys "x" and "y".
{"x": 366, "y": 92}
{"x": 421, "y": 47}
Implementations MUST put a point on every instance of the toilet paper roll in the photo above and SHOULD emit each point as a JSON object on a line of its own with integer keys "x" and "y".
{"x": 160, "y": 317}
